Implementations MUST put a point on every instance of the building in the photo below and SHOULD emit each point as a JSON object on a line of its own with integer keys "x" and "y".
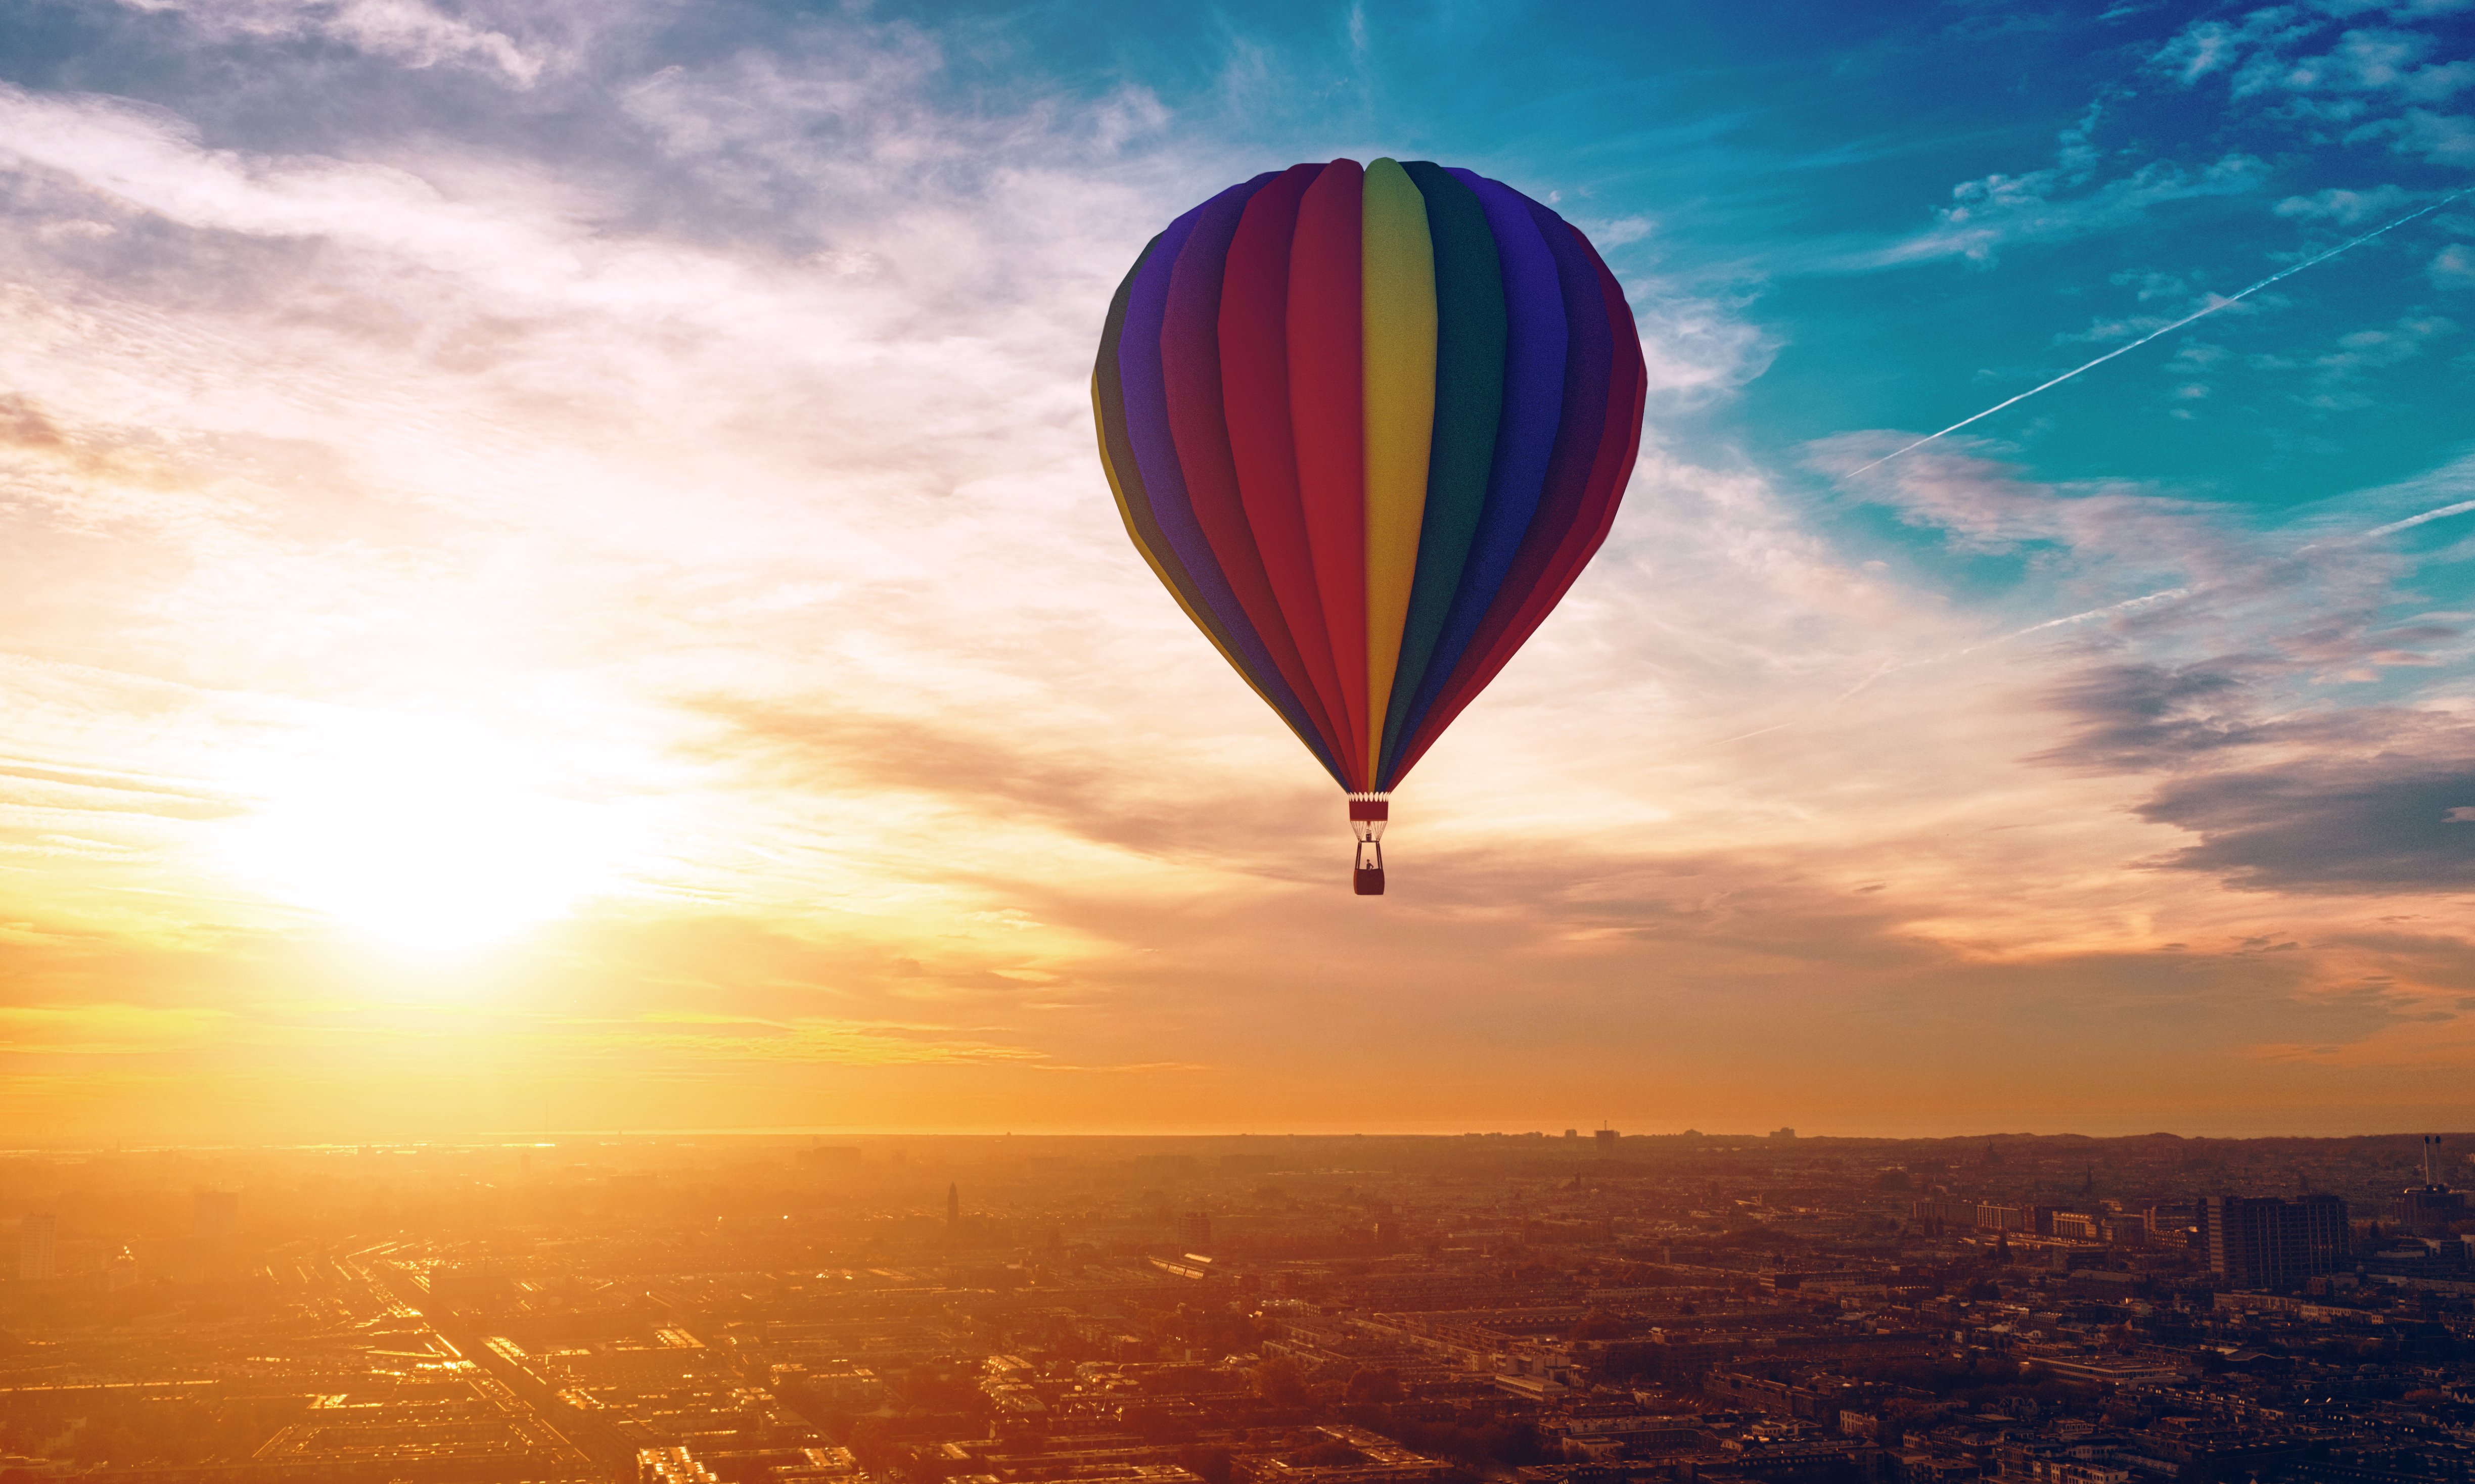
{"x": 2263, "y": 1242}
{"x": 670, "y": 1465}
{"x": 2430, "y": 1209}
{"x": 35, "y": 1247}
{"x": 1194, "y": 1232}
{"x": 1943, "y": 1210}
{"x": 1607, "y": 1141}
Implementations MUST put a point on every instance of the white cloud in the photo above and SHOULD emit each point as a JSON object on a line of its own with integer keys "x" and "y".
{"x": 2453, "y": 267}
{"x": 2335, "y": 373}
{"x": 2000, "y": 210}
{"x": 2346, "y": 207}
{"x": 153, "y": 161}
{"x": 2177, "y": 581}
{"x": 2360, "y": 61}
{"x": 2292, "y": 76}
{"x": 2210, "y": 46}
{"x": 2443, "y": 138}
{"x": 1693, "y": 347}
{"x": 402, "y": 31}
{"x": 2266, "y": 54}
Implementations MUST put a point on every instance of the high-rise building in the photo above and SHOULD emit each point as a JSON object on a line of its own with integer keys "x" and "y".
{"x": 2431, "y": 1208}
{"x": 2263, "y": 1242}
{"x": 953, "y": 1209}
{"x": 1194, "y": 1232}
{"x": 34, "y": 1243}
{"x": 1606, "y": 1138}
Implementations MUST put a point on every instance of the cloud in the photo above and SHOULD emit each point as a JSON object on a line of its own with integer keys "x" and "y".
{"x": 406, "y": 32}
{"x": 105, "y": 1030}
{"x": 2210, "y": 46}
{"x": 2361, "y": 61}
{"x": 2453, "y": 267}
{"x": 2003, "y": 211}
{"x": 2138, "y": 716}
{"x": 1695, "y": 348}
{"x": 806, "y": 1040}
{"x": 2346, "y": 207}
{"x": 2287, "y": 73}
{"x": 2335, "y": 373}
{"x": 2443, "y": 138}
{"x": 1982, "y": 505}
{"x": 2376, "y": 823}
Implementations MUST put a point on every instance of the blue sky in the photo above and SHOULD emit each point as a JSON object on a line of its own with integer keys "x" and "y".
{"x": 565, "y": 538}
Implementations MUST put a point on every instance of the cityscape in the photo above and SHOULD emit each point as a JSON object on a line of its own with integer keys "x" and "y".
{"x": 1549, "y": 1308}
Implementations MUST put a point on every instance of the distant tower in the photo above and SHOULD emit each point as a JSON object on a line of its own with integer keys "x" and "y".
{"x": 2431, "y": 1208}
{"x": 35, "y": 1247}
{"x": 953, "y": 1209}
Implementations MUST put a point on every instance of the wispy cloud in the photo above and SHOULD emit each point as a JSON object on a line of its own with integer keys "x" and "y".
{"x": 410, "y": 32}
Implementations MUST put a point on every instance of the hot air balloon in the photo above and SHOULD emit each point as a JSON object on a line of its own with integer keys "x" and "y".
{"x": 1367, "y": 426}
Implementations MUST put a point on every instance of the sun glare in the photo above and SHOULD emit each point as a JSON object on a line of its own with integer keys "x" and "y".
{"x": 422, "y": 837}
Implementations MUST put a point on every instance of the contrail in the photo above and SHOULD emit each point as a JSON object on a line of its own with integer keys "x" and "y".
{"x": 2459, "y": 508}
{"x": 2213, "y": 307}
{"x": 2167, "y": 596}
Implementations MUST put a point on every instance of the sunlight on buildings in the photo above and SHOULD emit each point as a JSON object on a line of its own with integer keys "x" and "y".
{"x": 421, "y": 836}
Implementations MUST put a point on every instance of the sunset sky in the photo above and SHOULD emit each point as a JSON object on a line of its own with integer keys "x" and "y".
{"x": 555, "y": 574}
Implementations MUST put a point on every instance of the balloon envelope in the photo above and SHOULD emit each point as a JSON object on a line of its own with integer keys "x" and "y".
{"x": 1367, "y": 426}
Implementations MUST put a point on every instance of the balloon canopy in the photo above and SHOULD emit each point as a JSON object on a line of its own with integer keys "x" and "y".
{"x": 1368, "y": 426}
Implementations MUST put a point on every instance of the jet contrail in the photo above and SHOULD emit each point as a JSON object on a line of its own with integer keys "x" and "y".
{"x": 2213, "y": 307}
{"x": 2165, "y": 596}
{"x": 2459, "y": 508}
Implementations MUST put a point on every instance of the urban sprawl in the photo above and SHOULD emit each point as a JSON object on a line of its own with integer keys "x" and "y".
{"x": 1583, "y": 1307}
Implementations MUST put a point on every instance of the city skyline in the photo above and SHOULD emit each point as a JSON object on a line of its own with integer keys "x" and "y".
{"x": 555, "y": 575}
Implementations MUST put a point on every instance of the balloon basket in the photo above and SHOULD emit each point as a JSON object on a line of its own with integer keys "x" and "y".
{"x": 1367, "y": 813}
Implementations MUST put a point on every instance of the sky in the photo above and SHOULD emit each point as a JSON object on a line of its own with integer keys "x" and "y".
{"x": 554, "y": 575}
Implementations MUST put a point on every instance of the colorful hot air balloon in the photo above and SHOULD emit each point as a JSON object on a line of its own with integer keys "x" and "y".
{"x": 1367, "y": 426}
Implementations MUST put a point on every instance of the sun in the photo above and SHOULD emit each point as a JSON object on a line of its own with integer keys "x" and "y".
{"x": 422, "y": 834}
